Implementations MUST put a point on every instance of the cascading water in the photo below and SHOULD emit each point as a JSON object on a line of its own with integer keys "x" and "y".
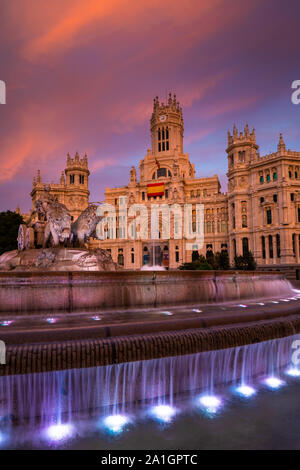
{"x": 122, "y": 388}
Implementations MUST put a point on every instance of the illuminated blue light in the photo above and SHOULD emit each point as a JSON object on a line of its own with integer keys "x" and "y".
{"x": 6, "y": 322}
{"x": 164, "y": 413}
{"x": 197, "y": 310}
{"x": 51, "y": 320}
{"x": 210, "y": 403}
{"x": 242, "y": 305}
{"x": 59, "y": 432}
{"x": 274, "y": 382}
{"x": 167, "y": 313}
{"x": 115, "y": 423}
{"x": 96, "y": 318}
{"x": 293, "y": 372}
{"x": 245, "y": 390}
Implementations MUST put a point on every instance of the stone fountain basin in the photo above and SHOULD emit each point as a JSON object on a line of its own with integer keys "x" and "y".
{"x": 71, "y": 291}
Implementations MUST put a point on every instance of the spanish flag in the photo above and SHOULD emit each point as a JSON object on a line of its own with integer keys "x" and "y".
{"x": 155, "y": 189}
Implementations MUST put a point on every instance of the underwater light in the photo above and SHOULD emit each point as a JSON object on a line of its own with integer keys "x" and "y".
{"x": 167, "y": 313}
{"x": 210, "y": 402}
{"x": 274, "y": 302}
{"x": 115, "y": 423}
{"x": 96, "y": 318}
{"x": 6, "y": 322}
{"x": 242, "y": 305}
{"x": 51, "y": 320}
{"x": 59, "y": 432}
{"x": 293, "y": 372}
{"x": 245, "y": 390}
{"x": 163, "y": 413}
{"x": 197, "y": 310}
{"x": 273, "y": 382}
{"x": 284, "y": 300}
{"x": 260, "y": 303}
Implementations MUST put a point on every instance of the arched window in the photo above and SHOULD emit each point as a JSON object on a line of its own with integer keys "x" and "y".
{"x": 244, "y": 221}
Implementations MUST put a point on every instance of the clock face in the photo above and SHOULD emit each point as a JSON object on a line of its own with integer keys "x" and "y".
{"x": 163, "y": 117}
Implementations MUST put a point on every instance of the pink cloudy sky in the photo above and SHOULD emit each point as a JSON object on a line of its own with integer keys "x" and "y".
{"x": 81, "y": 76}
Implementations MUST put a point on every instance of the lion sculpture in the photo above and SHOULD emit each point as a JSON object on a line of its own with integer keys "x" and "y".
{"x": 58, "y": 220}
{"x": 85, "y": 225}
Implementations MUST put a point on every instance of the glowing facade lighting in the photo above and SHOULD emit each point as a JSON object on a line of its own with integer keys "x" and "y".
{"x": 293, "y": 372}
{"x": 211, "y": 403}
{"x": 115, "y": 423}
{"x": 245, "y": 390}
{"x": 164, "y": 413}
{"x": 59, "y": 432}
{"x": 273, "y": 382}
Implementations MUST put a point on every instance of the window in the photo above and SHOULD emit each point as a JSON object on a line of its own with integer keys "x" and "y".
{"x": 166, "y": 193}
{"x": 132, "y": 255}
{"x": 245, "y": 244}
{"x": 234, "y": 247}
{"x": 262, "y": 199}
{"x": 177, "y": 255}
{"x": 263, "y": 247}
{"x": 163, "y": 139}
{"x": 292, "y": 196}
{"x": 298, "y": 214}
{"x": 296, "y": 174}
{"x": 269, "y": 216}
{"x": 294, "y": 243}
{"x": 244, "y": 221}
{"x": 161, "y": 172}
{"x": 270, "y": 246}
{"x": 120, "y": 257}
{"x": 81, "y": 179}
{"x": 275, "y": 197}
{"x": 72, "y": 179}
{"x": 143, "y": 196}
{"x": 274, "y": 176}
{"x": 154, "y": 175}
{"x": 290, "y": 174}
{"x": 268, "y": 178}
{"x": 278, "y": 245}
{"x": 261, "y": 179}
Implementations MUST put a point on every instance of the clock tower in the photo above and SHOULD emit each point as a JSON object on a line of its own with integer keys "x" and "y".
{"x": 166, "y": 127}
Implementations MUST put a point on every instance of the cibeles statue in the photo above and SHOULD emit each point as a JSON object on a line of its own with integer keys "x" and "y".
{"x": 49, "y": 241}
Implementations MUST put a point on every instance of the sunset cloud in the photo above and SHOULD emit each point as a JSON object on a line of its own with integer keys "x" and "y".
{"x": 82, "y": 75}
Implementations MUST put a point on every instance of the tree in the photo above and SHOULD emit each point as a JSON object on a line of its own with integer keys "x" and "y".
{"x": 246, "y": 262}
{"x": 200, "y": 264}
{"x": 9, "y": 227}
{"x": 222, "y": 260}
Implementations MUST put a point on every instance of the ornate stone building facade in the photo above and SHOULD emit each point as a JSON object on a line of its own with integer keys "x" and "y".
{"x": 72, "y": 189}
{"x": 260, "y": 212}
